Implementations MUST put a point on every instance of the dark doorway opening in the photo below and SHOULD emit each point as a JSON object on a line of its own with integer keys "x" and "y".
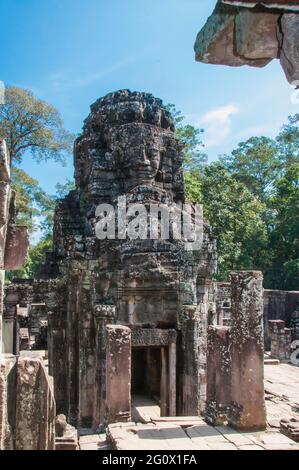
{"x": 146, "y": 372}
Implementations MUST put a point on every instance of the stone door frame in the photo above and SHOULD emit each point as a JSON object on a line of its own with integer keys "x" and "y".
{"x": 165, "y": 340}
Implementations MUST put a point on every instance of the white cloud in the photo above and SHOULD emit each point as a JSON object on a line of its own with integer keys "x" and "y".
{"x": 217, "y": 124}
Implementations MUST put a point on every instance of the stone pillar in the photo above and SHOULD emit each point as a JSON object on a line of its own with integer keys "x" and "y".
{"x": 118, "y": 374}
{"x": 35, "y": 406}
{"x": 192, "y": 371}
{"x": 103, "y": 315}
{"x": 278, "y": 339}
{"x": 247, "y": 352}
{"x": 9, "y": 331}
{"x": 7, "y": 401}
{"x": 164, "y": 390}
{"x": 172, "y": 378}
{"x": 288, "y": 343}
{"x": 218, "y": 375}
{"x": 57, "y": 343}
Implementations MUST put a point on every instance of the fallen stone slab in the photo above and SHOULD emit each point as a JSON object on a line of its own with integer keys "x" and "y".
{"x": 271, "y": 362}
{"x": 290, "y": 428}
{"x": 183, "y": 421}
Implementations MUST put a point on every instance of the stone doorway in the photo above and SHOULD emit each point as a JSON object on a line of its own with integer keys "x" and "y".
{"x": 146, "y": 369}
{"x": 153, "y": 370}
{"x": 146, "y": 373}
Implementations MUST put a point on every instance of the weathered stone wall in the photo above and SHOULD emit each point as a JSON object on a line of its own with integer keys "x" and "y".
{"x": 278, "y": 305}
{"x": 26, "y": 305}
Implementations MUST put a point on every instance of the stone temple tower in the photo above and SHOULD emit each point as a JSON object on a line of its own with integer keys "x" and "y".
{"x": 156, "y": 295}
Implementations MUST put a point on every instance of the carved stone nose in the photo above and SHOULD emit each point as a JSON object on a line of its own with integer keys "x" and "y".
{"x": 143, "y": 159}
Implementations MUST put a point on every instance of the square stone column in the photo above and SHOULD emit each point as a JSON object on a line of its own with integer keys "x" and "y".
{"x": 218, "y": 375}
{"x": 35, "y": 406}
{"x": 192, "y": 368}
{"x": 118, "y": 374}
{"x": 278, "y": 339}
{"x": 247, "y": 352}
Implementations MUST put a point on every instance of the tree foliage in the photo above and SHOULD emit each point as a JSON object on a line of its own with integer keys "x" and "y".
{"x": 191, "y": 137}
{"x": 236, "y": 217}
{"x": 251, "y": 200}
{"x": 31, "y": 126}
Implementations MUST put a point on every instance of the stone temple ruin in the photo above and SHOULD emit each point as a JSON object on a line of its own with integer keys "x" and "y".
{"x": 157, "y": 295}
{"x": 123, "y": 319}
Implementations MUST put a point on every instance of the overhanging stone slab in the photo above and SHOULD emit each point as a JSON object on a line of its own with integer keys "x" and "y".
{"x": 215, "y": 43}
{"x": 289, "y": 57}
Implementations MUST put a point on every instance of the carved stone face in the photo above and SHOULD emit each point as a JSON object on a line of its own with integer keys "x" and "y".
{"x": 138, "y": 150}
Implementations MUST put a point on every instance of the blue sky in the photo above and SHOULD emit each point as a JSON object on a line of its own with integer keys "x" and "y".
{"x": 71, "y": 52}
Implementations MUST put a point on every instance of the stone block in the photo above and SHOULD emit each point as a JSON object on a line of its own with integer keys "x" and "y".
{"x": 66, "y": 435}
{"x": 35, "y": 406}
{"x": 17, "y": 243}
{"x": 256, "y": 35}
{"x": 118, "y": 375}
{"x": 215, "y": 43}
{"x": 247, "y": 352}
{"x": 218, "y": 375}
{"x": 7, "y": 410}
{"x": 290, "y": 427}
{"x": 289, "y": 44}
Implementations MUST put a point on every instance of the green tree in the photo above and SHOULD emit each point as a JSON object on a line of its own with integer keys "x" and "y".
{"x": 36, "y": 205}
{"x": 25, "y": 188}
{"x": 288, "y": 141}
{"x": 236, "y": 217}
{"x": 32, "y": 127}
{"x": 256, "y": 163}
{"x": 284, "y": 237}
{"x": 191, "y": 138}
